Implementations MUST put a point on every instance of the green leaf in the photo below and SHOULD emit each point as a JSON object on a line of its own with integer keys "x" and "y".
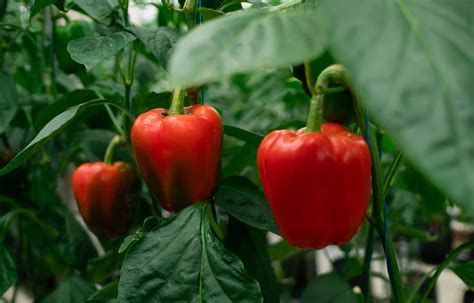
{"x": 182, "y": 260}
{"x": 100, "y": 268}
{"x": 8, "y": 274}
{"x": 244, "y": 135}
{"x": 39, "y": 5}
{"x": 411, "y": 64}
{"x": 149, "y": 224}
{"x": 90, "y": 51}
{"x": 8, "y": 101}
{"x": 328, "y": 288}
{"x": 106, "y": 294}
{"x": 51, "y": 129}
{"x": 66, "y": 101}
{"x": 96, "y": 9}
{"x": 282, "y": 250}
{"x": 159, "y": 41}
{"x": 243, "y": 158}
{"x": 208, "y": 14}
{"x": 3, "y": 8}
{"x": 244, "y": 42}
{"x": 413, "y": 232}
{"x": 465, "y": 271}
{"x": 73, "y": 289}
{"x": 239, "y": 197}
{"x": 250, "y": 245}
{"x": 303, "y": 7}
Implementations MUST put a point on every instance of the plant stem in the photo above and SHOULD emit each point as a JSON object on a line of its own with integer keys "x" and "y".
{"x": 212, "y": 220}
{"x": 369, "y": 248}
{"x": 177, "y": 103}
{"x": 377, "y": 217}
{"x": 128, "y": 77}
{"x": 332, "y": 74}
{"x": 379, "y": 205}
{"x": 315, "y": 115}
{"x": 442, "y": 266}
{"x": 114, "y": 120}
{"x": 189, "y": 9}
{"x": 109, "y": 153}
{"x": 391, "y": 172}
{"x": 52, "y": 51}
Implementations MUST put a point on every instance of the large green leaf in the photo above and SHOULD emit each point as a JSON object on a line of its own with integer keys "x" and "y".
{"x": 465, "y": 271}
{"x": 239, "y": 197}
{"x": 106, "y": 294}
{"x": 90, "y": 51}
{"x": 244, "y": 135}
{"x": 244, "y": 157}
{"x": 411, "y": 62}
{"x": 73, "y": 289}
{"x": 159, "y": 41}
{"x": 8, "y": 101}
{"x": 243, "y": 42}
{"x": 96, "y": 9}
{"x": 39, "y": 5}
{"x": 328, "y": 288}
{"x": 66, "y": 101}
{"x": 250, "y": 245}
{"x": 183, "y": 261}
{"x": 49, "y": 130}
{"x": 8, "y": 274}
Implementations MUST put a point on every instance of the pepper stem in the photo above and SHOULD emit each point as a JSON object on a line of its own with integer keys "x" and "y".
{"x": 315, "y": 116}
{"x": 332, "y": 74}
{"x": 177, "y": 103}
{"x": 109, "y": 152}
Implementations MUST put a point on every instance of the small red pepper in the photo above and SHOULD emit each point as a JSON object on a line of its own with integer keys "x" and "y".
{"x": 317, "y": 183}
{"x": 103, "y": 193}
{"x": 179, "y": 154}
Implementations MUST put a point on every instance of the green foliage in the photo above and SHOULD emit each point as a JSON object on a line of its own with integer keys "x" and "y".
{"x": 65, "y": 34}
{"x": 243, "y": 200}
{"x": 8, "y": 269}
{"x": 91, "y": 51}
{"x": 258, "y": 38}
{"x": 8, "y": 101}
{"x": 185, "y": 247}
{"x": 328, "y": 288}
{"x": 465, "y": 271}
{"x": 52, "y": 128}
{"x": 106, "y": 294}
{"x": 422, "y": 98}
{"x": 96, "y": 9}
{"x": 73, "y": 289}
{"x": 159, "y": 41}
{"x": 250, "y": 245}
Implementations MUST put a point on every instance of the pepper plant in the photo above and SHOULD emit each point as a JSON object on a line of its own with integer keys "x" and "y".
{"x": 153, "y": 160}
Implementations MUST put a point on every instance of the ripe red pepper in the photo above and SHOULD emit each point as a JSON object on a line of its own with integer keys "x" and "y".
{"x": 103, "y": 193}
{"x": 317, "y": 183}
{"x": 179, "y": 154}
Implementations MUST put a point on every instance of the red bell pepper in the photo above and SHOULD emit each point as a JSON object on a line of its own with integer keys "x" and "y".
{"x": 178, "y": 153}
{"x": 103, "y": 193}
{"x": 317, "y": 183}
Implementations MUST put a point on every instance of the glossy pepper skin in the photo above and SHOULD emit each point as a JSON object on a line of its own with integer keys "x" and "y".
{"x": 317, "y": 183}
{"x": 179, "y": 155}
{"x": 103, "y": 193}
